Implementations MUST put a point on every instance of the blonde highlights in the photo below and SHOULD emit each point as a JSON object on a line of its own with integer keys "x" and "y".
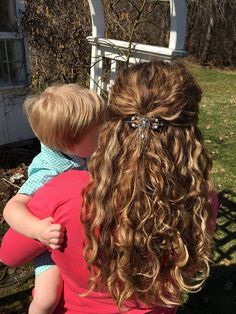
{"x": 146, "y": 208}
{"x": 61, "y": 114}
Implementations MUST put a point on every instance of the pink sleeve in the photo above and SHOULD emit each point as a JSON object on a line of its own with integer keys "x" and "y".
{"x": 17, "y": 249}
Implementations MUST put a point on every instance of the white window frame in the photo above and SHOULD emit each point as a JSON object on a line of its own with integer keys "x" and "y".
{"x": 16, "y": 10}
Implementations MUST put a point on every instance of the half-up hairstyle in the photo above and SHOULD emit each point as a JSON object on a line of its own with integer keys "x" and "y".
{"x": 146, "y": 209}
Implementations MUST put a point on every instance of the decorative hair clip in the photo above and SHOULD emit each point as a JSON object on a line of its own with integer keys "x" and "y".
{"x": 142, "y": 123}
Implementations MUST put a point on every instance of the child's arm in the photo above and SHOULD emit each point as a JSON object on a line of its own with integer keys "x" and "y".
{"x": 21, "y": 220}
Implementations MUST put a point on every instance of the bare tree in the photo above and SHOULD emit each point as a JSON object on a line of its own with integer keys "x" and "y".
{"x": 57, "y": 31}
{"x": 211, "y": 34}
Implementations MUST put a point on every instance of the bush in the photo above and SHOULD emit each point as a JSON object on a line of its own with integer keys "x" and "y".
{"x": 57, "y": 30}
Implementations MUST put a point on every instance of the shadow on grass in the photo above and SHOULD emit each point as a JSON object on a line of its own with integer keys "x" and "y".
{"x": 225, "y": 237}
{"x": 16, "y": 304}
{"x": 218, "y": 296}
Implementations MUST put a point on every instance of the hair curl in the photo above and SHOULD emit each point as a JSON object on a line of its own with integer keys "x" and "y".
{"x": 146, "y": 208}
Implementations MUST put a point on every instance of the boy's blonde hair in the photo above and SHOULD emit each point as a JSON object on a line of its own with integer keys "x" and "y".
{"x": 61, "y": 114}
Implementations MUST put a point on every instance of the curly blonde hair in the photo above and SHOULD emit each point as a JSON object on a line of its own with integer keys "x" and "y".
{"x": 146, "y": 209}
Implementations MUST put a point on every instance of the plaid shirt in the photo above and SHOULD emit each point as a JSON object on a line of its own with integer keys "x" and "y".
{"x": 46, "y": 165}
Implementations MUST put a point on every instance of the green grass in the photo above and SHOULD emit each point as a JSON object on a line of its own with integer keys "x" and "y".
{"x": 218, "y": 124}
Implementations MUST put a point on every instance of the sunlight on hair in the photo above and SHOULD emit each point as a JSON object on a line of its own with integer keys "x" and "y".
{"x": 147, "y": 227}
{"x": 61, "y": 114}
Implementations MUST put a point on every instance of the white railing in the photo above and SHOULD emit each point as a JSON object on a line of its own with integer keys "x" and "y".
{"x": 118, "y": 50}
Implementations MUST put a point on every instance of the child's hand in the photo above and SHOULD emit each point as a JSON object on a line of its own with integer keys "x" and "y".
{"x": 49, "y": 233}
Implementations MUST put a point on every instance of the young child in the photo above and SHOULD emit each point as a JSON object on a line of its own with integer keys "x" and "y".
{"x": 66, "y": 119}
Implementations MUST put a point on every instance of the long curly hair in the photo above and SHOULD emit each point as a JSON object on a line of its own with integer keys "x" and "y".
{"x": 146, "y": 209}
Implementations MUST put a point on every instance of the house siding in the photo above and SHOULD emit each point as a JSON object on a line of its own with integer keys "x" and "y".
{"x": 13, "y": 123}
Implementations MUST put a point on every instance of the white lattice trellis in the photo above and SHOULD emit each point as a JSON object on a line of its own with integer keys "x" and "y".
{"x": 117, "y": 50}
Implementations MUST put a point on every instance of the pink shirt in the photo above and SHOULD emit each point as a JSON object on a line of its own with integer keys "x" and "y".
{"x": 61, "y": 199}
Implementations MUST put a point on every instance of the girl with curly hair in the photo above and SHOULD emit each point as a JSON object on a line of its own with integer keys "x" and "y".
{"x": 148, "y": 229}
{"x": 139, "y": 224}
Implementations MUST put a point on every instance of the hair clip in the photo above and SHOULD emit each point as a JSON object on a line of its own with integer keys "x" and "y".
{"x": 142, "y": 123}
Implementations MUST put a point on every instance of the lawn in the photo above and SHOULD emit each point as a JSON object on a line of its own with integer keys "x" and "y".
{"x": 218, "y": 123}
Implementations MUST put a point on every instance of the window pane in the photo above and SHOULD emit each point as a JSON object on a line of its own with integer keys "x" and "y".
{"x": 12, "y": 65}
{"x": 4, "y": 78}
{"x": 15, "y": 50}
{"x": 7, "y": 15}
{"x": 17, "y": 72}
{"x": 2, "y": 50}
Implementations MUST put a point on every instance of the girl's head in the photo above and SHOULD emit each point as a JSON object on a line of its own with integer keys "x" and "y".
{"x": 156, "y": 89}
{"x": 147, "y": 225}
{"x": 63, "y": 116}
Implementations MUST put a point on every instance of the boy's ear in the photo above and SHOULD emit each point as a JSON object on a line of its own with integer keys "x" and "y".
{"x": 68, "y": 149}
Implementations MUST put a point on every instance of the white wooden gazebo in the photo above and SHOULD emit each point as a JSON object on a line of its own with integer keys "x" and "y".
{"x": 117, "y": 50}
